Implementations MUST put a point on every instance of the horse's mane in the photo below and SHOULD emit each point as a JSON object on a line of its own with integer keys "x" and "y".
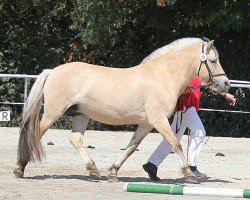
{"x": 168, "y": 48}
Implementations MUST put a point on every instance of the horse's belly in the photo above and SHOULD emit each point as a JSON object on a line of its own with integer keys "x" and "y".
{"x": 113, "y": 116}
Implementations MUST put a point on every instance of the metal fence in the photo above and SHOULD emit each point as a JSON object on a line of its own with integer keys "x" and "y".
{"x": 234, "y": 83}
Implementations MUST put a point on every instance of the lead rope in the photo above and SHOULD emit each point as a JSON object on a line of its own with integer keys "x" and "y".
{"x": 189, "y": 89}
{"x": 237, "y": 95}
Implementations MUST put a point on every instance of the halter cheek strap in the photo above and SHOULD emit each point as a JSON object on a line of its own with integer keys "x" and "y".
{"x": 203, "y": 59}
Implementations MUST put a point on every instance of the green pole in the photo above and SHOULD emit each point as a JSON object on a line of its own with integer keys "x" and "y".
{"x": 246, "y": 193}
{"x": 163, "y": 189}
{"x": 183, "y": 190}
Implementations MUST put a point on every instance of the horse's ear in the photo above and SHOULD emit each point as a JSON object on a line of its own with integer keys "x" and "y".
{"x": 209, "y": 45}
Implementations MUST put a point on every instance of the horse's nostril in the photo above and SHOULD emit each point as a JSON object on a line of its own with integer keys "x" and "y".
{"x": 227, "y": 83}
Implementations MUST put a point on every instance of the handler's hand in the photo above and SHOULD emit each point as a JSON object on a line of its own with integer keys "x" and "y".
{"x": 230, "y": 98}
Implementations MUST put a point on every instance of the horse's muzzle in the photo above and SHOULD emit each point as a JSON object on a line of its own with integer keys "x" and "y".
{"x": 224, "y": 87}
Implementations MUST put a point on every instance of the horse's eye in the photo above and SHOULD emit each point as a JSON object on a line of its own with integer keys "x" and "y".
{"x": 213, "y": 61}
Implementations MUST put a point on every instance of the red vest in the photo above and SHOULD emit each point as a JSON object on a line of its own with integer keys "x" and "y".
{"x": 190, "y": 98}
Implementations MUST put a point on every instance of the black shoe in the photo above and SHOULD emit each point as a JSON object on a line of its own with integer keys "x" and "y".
{"x": 198, "y": 174}
{"x": 151, "y": 169}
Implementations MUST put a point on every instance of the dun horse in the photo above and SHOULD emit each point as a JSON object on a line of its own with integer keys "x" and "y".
{"x": 145, "y": 94}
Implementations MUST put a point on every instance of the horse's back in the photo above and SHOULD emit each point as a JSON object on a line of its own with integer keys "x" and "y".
{"x": 89, "y": 72}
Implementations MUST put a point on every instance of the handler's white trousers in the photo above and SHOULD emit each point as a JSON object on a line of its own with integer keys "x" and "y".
{"x": 191, "y": 120}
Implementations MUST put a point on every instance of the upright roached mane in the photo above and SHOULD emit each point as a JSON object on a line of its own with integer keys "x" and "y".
{"x": 145, "y": 94}
{"x": 172, "y": 46}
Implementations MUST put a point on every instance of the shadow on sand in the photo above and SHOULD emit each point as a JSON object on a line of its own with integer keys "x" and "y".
{"x": 177, "y": 181}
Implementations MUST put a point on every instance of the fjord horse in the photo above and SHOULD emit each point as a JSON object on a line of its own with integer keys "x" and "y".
{"x": 145, "y": 94}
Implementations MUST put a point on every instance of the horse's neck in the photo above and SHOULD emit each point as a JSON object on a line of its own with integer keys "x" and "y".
{"x": 179, "y": 68}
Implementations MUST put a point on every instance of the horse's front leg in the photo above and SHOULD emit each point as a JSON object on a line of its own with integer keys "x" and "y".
{"x": 164, "y": 128}
{"x": 136, "y": 139}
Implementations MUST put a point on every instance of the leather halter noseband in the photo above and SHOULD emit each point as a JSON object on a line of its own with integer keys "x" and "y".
{"x": 203, "y": 59}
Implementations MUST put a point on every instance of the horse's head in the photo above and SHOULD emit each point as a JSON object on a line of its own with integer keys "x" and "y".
{"x": 210, "y": 69}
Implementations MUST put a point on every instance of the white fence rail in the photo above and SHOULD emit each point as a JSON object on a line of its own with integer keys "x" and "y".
{"x": 240, "y": 84}
{"x": 234, "y": 83}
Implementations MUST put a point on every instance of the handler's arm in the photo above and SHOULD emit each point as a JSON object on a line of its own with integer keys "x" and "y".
{"x": 229, "y": 97}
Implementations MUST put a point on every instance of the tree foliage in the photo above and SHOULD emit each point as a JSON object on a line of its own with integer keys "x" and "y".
{"x": 37, "y": 34}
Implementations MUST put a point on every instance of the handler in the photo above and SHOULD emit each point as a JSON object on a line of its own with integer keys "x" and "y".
{"x": 186, "y": 116}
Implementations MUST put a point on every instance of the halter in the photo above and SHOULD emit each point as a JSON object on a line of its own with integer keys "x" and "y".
{"x": 203, "y": 59}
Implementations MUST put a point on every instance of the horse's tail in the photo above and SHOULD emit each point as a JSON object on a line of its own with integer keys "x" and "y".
{"x": 30, "y": 147}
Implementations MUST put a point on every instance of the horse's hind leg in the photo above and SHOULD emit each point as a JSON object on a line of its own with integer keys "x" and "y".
{"x": 136, "y": 139}
{"x": 79, "y": 126}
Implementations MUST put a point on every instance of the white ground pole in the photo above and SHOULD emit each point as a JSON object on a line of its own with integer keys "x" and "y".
{"x": 183, "y": 190}
{"x": 214, "y": 192}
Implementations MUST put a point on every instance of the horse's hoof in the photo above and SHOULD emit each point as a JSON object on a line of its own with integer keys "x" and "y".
{"x": 112, "y": 179}
{"x": 191, "y": 179}
{"x": 95, "y": 175}
{"x": 18, "y": 173}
